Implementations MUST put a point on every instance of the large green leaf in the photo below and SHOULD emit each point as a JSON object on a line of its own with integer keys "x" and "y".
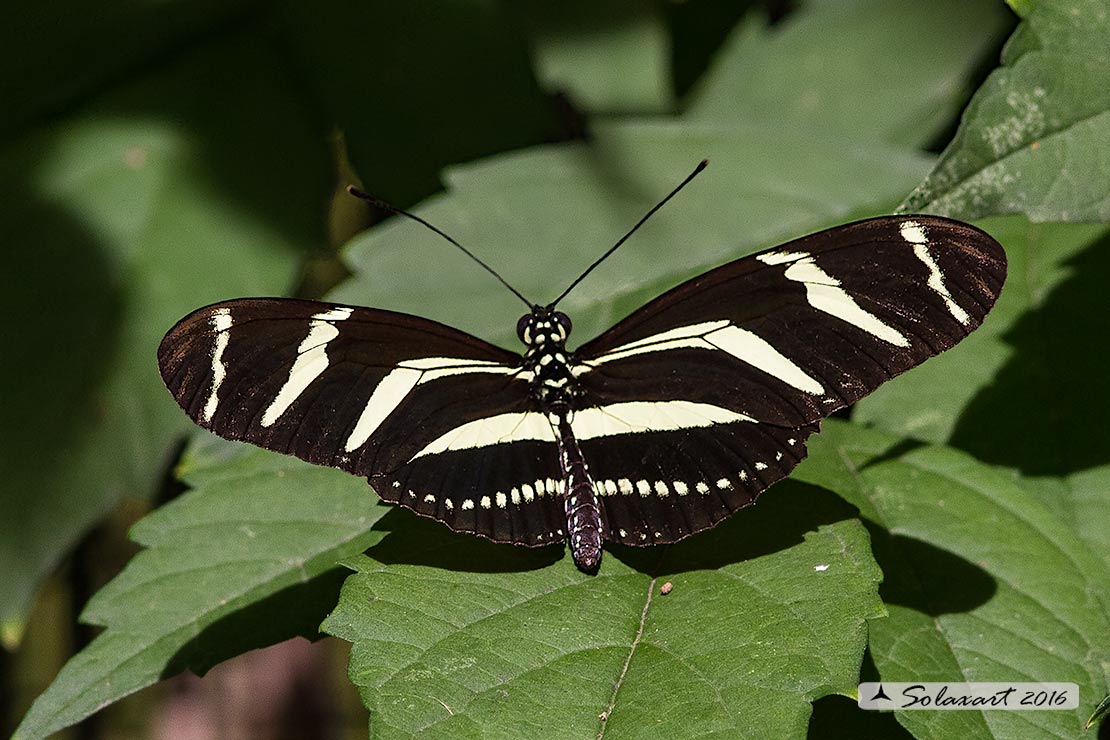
{"x": 246, "y": 559}
{"x": 1034, "y": 138}
{"x": 767, "y": 613}
{"x": 1017, "y": 392}
{"x": 880, "y": 70}
{"x": 119, "y": 219}
{"x": 541, "y": 216}
{"x": 983, "y": 582}
{"x": 609, "y": 56}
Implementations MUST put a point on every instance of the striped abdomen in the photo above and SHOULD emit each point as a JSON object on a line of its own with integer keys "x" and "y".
{"x": 584, "y": 522}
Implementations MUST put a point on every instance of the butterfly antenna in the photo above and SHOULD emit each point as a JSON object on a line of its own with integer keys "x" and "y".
{"x": 378, "y": 202}
{"x": 701, "y": 166}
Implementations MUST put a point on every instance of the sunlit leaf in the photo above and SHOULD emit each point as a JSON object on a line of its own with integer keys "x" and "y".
{"x": 1034, "y": 138}
{"x": 246, "y": 559}
{"x": 983, "y": 582}
{"x": 766, "y": 613}
{"x": 880, "y": 70}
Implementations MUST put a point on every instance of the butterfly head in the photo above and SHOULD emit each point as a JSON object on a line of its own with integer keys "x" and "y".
{"x": 544, "y": 328}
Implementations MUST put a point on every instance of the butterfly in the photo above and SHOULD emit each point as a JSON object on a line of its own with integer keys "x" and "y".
{"x": 662, "y": 426}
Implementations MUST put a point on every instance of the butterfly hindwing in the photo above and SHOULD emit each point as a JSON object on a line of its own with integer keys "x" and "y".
{"x": 507, "y": 492}
{"x": 662, "y": 487}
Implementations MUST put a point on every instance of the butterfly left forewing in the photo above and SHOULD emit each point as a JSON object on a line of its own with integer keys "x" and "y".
{"x": 353, "y": 388}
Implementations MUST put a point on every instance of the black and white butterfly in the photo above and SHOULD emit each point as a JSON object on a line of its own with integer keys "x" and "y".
{"x": 662, "y": 426}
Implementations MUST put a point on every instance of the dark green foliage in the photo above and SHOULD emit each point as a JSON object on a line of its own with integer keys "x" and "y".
{"x": 957, "y": 528}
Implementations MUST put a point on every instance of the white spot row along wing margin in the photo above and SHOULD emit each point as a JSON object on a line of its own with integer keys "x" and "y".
{"x": 629, "y": 417}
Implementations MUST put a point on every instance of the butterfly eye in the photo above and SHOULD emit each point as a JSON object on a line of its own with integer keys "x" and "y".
{"x": 564, "y": 323}
{"x": 522, "y": 327}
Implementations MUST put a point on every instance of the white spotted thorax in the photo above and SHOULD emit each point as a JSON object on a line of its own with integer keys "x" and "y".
{"x": 544, "y": 332}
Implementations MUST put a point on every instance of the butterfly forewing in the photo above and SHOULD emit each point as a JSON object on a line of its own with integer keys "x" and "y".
{"x": 792, "y": 334}
{"x": 333, "y": 385}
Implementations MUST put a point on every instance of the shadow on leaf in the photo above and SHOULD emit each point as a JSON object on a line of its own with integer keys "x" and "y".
{"x": 295, "y": 611}
{"x": 839, "y": 717}
{"x": 926, "y": 578}
{"x": 896, "y": 452}
{"x": 1058, "y": 427}
{"x": 415, "y": 540}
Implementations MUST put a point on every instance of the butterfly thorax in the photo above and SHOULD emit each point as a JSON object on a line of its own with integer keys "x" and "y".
{"x": 544, "y": 333}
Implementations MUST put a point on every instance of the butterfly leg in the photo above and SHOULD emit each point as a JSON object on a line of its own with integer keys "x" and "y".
{"x": 584, "y": 523}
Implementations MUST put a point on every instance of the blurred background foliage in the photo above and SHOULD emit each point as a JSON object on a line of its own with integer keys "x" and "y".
{"x": 158, "y": 156}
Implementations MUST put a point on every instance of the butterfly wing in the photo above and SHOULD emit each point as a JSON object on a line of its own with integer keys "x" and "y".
{"x": 366, "y": 390}
{"x": 698, "y": 401}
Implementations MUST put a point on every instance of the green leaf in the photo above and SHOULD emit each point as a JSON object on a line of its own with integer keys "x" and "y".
{"x": 246, "y": 559}
{"x": 1033, "y": 139}
{"x": 610, "y": 57}
{"x": 416, "y": 85}
{"x": 1080, "y": 500}
{"x": 983, "y": 583}
{"x": 542, "y": 215}
{"x": 767, "y": 613}
{"x": 119, "y": 220}
{"x": 875, "y": 70}
{"x": 1035, "y": 346}
{"x": 1021, "y": 7}
{"x": 1089, "y": 502}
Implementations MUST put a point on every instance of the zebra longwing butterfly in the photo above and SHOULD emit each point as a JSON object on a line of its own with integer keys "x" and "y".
{"x": 662, "y": 426}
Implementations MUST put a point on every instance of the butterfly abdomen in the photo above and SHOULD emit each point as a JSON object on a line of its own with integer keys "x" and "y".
{"x": 585, "y": 526}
